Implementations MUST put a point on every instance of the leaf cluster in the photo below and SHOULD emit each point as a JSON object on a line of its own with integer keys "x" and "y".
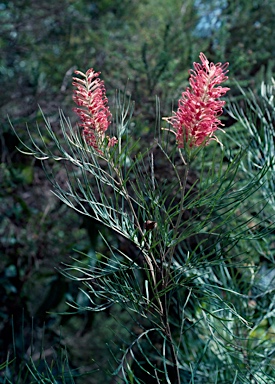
{"x": 190, "y": 283}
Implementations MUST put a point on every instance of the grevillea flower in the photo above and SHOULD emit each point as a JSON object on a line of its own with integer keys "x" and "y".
{"x": 90, "y": 96}
{"x": 196, "y": 119}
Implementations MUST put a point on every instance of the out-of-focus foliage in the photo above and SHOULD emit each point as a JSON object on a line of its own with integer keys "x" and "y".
{"x": 250, "y": 39}
{"x": 242, "y": 33}
{"x": 150, "y": 42}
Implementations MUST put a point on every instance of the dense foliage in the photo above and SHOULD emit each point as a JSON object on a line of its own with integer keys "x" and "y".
{"x": 153, "y": 44}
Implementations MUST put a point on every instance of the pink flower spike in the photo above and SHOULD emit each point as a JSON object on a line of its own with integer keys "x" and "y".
{"x": 196, "y": 119}
{"x": 94, "y": 113}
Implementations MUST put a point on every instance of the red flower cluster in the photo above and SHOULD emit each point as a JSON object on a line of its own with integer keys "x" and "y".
{"x": 94, "y": 111}
{"x": 196, "y": 119}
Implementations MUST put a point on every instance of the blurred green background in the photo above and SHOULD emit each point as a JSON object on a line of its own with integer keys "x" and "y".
{"x": 148, "y": 46}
